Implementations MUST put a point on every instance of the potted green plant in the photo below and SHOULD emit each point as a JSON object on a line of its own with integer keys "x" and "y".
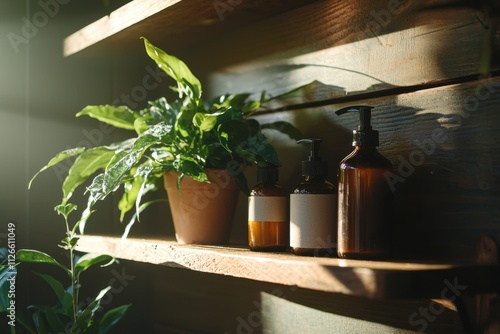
{"x": 186, "y": 142}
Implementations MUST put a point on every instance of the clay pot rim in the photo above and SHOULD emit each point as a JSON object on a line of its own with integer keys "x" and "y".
{"x": 192, "y": 183}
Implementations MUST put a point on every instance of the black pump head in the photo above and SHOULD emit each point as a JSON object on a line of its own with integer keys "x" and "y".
{"x": 314, "y": 166}
{"x": 365, "y": 135}
{"x": 314, "y": 155}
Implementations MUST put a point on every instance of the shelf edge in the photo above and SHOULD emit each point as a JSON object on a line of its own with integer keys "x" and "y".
{"x": 371, "y": 279}
{"x": 124, "y": 17}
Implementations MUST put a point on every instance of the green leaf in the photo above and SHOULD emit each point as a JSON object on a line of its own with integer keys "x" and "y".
{"x": 184, "y": 124}
{"x": 250, "y": 108}
{"x": 93, "y": 328}
{"x": 93, "y": 189}
{"x": 91, "y": 259}
{"x": 41, "y": 323}
{"x": 259, "y": 151}
{"x": 54, "y": 321}
{"x": 162, "y": 111}
{"x": 205, "y": 122}
{"x": 70, "y": 243}
{"x": 156, "y": 133}
{"x": 111, "y": 318}
{"x": 187, "y": 83}
{"x": 129, "y": 197}
{"x": 61, "y": 156}
{"x": 140, "y": 125}
{"x": 35, "y": 256}
{"x": 284, "y": 127}
{"x": 242, "y": 183}
{"x": 233, "y": 133}
{"x": 22, "y": 321}
{"x": 141, "y": 184}
{"x": 96, "y": 190}
{"x": 4, "y": 254}
{"x": 86, "y": 316}
{"x": 230, "y": 113}
{"x": 56, "y": 286}
{"x": 190, "y": 167}
{"x": 244, "y": 139}
{"x": 118, "y": 116}
{"x": 65, "y": 209}
{"x": 142, "y": 207}
{"x": 116, "y": 172}
{"x": 231, "y": 100}
{"x": 84, "y": 166}
{"x": 67, "y": 304}
{"x": 5, "y": 273}
{"x": 143, "y": 173}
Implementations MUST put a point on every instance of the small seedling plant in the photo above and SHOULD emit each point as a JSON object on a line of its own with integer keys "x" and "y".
{"x": 68, "y": 314}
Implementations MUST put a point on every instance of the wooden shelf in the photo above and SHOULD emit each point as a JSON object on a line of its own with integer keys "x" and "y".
{"x": 177, "y": 23}
{"x": 372, "y": 279}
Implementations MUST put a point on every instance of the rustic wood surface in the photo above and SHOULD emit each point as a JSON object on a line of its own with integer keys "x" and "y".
{"x": 177, "y": 22}
{"x": 371, "y": 279}
{"x": 340, "y": 47}
{"x": 348, "y": 48}
{"x": 443, "y": 143}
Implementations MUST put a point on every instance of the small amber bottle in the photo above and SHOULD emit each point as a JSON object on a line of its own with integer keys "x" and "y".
{"x": 268, "y": 213}
{"x": 365, "y": 197}
{"x": 313, "y": 209}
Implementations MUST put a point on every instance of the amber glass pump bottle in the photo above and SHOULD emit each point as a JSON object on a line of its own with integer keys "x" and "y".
{"x": 313, "y": 208}
{"x": 365, "y": 198}
{"x": 268, "y": 228}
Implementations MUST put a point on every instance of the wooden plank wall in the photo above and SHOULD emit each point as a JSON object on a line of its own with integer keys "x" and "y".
{"x": 172, "y": 300}
{"x": 418, "y": 63}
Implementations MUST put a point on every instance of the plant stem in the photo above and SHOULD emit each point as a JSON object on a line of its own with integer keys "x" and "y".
{"x": 74, "y": 285}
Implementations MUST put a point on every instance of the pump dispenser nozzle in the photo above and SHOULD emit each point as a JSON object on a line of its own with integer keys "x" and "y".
{"x": 314, "y": 166}
{"x": 364, "y": 135}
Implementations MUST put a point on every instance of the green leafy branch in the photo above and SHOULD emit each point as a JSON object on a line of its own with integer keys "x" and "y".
{"x": 67, "y": 316}
{"x": 187, "y": 136}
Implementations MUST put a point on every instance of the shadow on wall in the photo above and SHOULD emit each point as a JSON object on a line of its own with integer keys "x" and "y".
{"x": 445, "y": 158}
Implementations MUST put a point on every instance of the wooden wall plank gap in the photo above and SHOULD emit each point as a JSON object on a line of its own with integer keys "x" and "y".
{"x": 383, "y": 93}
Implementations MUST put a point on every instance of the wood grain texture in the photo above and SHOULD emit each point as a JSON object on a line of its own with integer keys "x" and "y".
{"x": 443, "y": 143}
{"x": 375, "y": 280}
{"x": 357, "y": 47}
{"x": 176, "y": 22}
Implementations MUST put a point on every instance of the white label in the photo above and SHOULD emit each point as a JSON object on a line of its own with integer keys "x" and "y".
{"x": 267, "y": 209}
{"x": 313, "y": 221}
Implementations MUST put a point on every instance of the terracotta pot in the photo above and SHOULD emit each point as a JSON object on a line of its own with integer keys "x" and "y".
{"x": 202, "y": 212}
